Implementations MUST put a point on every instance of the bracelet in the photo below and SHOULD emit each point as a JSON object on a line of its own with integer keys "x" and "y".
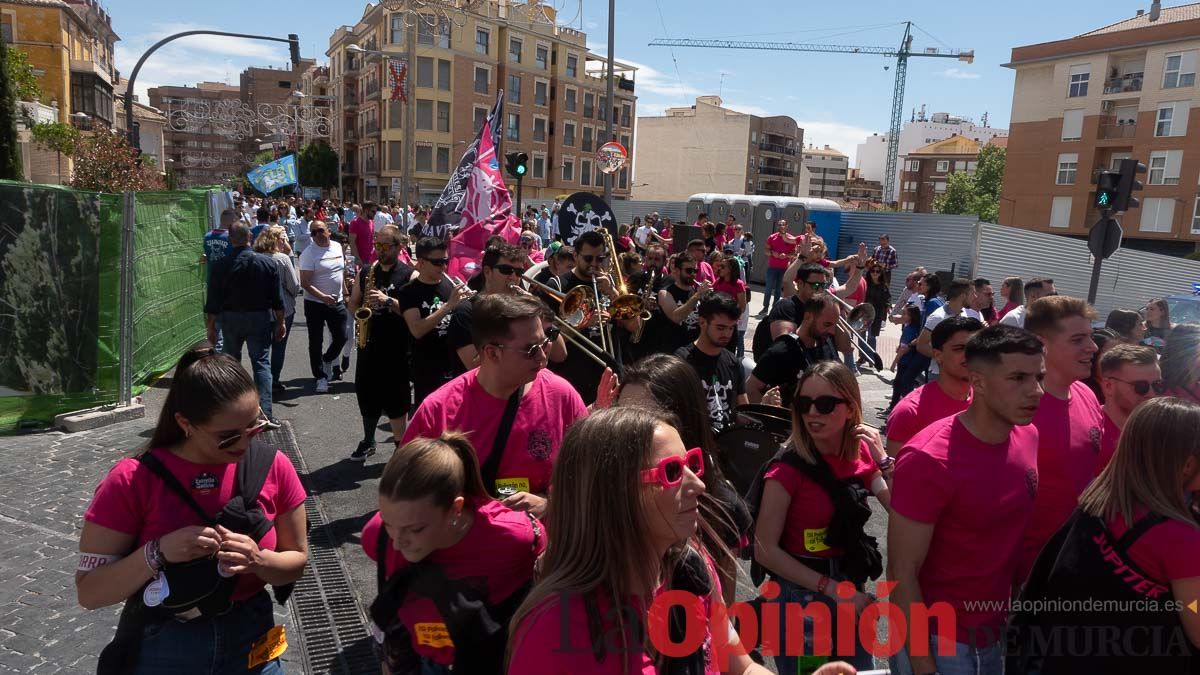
{"x": 153, "y": 555}
{"x": 823, "y": 584}
{"x": 886, "y": 464}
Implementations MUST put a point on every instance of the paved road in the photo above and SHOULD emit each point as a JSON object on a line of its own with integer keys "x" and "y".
{"x": 42, "y": 500}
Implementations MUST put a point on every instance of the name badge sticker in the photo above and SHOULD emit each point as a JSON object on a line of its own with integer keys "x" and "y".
{"x": 434, "y": 635}
{"x": 204, "y": 483}
{"x": 156, "y": 591}
{"x": 507, "y": 487}
{"x": 814, "y": 540}
{"x": 268, "y": 648}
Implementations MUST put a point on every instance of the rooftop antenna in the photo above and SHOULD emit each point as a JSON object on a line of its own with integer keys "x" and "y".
{"x": 721, "y": 86}
{"x": 985, "y": 118}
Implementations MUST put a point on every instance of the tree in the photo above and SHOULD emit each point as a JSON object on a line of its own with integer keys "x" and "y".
{"x": 56, "y": 136}
{"x": 24, "y": 82}
{"x": 977, "y": 194}
{"x": 105, "y": 162}
{"x": 318, "y": 166}
{"x": 10, "y": 152}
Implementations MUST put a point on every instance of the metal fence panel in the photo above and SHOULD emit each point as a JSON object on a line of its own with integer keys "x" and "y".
{"x": 626, "y": 210}
{"x": 933, "y": 241}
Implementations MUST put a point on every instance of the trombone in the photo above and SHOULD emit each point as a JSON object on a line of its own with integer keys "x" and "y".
{"x": 627, "y": 305}
{"x": 576, "y": 309}
{"x": 859, "y": 319}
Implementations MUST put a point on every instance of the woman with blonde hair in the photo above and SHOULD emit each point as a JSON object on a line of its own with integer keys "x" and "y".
{"x": 452, "y": 564}
{"x": 1130, "y": 549}
{"x": 273, "y": 242}
{"x": 813, "y": 506}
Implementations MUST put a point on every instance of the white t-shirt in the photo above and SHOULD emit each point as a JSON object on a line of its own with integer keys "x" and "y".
{"x": 642, "y": 235}
{"x": 382, "y": 219}
{"x": 328, "y": 267}
{"x": 941, "y": 314}
{"x": 1015, "y": 317}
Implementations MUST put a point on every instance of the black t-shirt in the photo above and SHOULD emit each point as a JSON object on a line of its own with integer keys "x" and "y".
{"x": 789, "y": 309}
{"x": 387, "y": 330}
{"x": 786, "y": 360}
{"x": 549, "y": 278}
{"x": 582, "y": 372}
{"x": 675, "y": 335}
{"x": 722, "y": 378}
{"x": 430, "y": 355}
{"x": 458, "y": 334}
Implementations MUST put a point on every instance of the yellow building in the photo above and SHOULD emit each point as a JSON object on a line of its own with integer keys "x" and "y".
{"x": 70, "y": 46}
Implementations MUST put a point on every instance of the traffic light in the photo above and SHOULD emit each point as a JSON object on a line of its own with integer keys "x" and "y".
{"x": 516, "y": 164}
{"x": 1107, "y": 183}
{"x": 294, "y": 48}
{"x": 1124, "y": 199}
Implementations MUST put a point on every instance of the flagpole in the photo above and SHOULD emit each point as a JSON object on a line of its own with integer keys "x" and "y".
{"x": 410, "y": 133}
{"x": 608, "y": 114}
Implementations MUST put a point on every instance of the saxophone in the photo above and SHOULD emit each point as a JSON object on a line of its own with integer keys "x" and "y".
{"x": 362, "y": 315}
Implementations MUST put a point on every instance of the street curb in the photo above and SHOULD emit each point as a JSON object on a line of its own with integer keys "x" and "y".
{"x": 94, "y": 418}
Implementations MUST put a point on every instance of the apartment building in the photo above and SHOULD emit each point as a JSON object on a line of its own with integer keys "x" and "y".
{"x": 926, "y": 171}
{"x": 555, "y": 107}
{"x": 199, "y": 151}
{"x": 1082, "y": 104}
{"x": 266, "y": 85}
{"x": 709, "y": 148}
{"x": 823, "y": 173}
{"x": 861, "y": 193}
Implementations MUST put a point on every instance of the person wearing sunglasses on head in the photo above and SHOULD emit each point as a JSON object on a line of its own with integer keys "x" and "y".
{"x": 592, "y": 262}
{"x": 791, "y": 355}
{"x": 623, "y": 530}
{"x": 813, "y": 506}
{"x": 323, "y": 278}
{"x": 426, "y": 303}
{"x": 175, "y": 533}
{"x": 515, "y": 411}
{"x": 1129, "y": 375}
{"x": 679, "y": 324}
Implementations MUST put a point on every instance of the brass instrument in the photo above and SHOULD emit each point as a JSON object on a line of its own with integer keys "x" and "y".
{"x": 860, "y": 317}
{"x": 362, "y": 315}
{"x": 648, "y": 301}
{"x": 576, "y": 309}
{"x": 627, "y": 305}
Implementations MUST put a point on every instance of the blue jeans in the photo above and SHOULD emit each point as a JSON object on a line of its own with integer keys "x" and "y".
{"x": 774, "y": 286}
{"x": 220, "y": 335}
{"x": 429, "y": 667}
{"x": 208, "y": 645}
{"x": 798, "y": 595}
{"x": 256, "y": 330}
{"x": 279, "y": 349}
{"x": 967, "y": 660}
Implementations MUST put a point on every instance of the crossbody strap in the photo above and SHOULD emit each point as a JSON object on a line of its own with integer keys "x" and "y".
{"x": 155, "y": 465}
{"x": 492, "y": 466}
{"x": 1139, "y": 528}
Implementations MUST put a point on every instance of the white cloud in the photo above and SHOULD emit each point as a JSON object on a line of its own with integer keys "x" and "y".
{"x": 838, "y": 135}
{"x": 653, "y": 81}
{"x": 958, "y": 74}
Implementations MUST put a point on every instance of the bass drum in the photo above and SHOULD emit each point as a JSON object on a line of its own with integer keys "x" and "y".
{"x": 750, "y": 442}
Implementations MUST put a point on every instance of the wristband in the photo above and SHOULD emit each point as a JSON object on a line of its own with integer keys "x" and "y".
{"x": 823, "y": 584}
{"x": 886, "y": 464}
{"x": 154, "y": 556}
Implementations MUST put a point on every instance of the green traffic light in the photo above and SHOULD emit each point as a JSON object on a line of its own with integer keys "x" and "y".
{"x": 521, "y": 170}
{"x": 1103, "y": 200}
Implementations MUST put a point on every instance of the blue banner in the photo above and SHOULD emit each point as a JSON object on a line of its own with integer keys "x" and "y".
{"x": 270, "y": 177}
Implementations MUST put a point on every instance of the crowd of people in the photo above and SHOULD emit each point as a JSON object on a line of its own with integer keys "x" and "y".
{"x": 558, "y": 501}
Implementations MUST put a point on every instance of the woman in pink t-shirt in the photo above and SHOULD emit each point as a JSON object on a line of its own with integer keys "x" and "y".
{"x": 728, "y": 271}
{"x": 797, "y": 535}
{"x": 622, "y": 529}
{"x": 140, "y": 531}
{"x": 438, "y": 532}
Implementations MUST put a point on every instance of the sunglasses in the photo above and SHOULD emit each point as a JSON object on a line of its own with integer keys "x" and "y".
{"x": 818, "y": 285}
{"x": 688, "y": 270}
{"x": 824, "y": 404}
{"x": 255, "y": 429}
{"x": 538, "y": 347}
{"x": 1143, "y": 387}
{"x": 669, "y": 472}
{"x": 383, "y": 246}
{"x": 437, "y": 262}
{"x": 589, "y": 259}
{"x": 509, "y": 270}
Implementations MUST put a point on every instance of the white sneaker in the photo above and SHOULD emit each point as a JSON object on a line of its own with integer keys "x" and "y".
{"x": 322, "y": 385}
{"x": 327, "y": 367}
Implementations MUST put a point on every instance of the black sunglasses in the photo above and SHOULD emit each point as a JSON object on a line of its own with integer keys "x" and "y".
{"x": 509, "y": 270}
{"x": 688, "y": 270}
{"x": 589, "y": 259}
{"x": 824, "y": 404}
{"x": 438, "y": 262}
{"x": 1143, "y": 387}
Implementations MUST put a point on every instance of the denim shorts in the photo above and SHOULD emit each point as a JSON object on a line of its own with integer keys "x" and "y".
{"x": 798, "y": 595}
{"x": 208, "y": 645}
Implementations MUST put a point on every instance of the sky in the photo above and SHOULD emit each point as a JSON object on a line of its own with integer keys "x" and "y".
{"x": 838, "y": 99}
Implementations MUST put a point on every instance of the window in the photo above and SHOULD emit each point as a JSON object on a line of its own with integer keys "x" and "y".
{"x": 424, "y": 71}
{"x": 1072, "y": 129}
{"x": 1157, "y": 214}
{"x": 624, "y": 182}
{"x": 913, "y": 164}
{"x": 585, "y": 172}
{"x": 443, "y": 159}
{"x": 1172, "y": 119}
{"x": 569, "y": 100}
{"x": 443, "y": 117}
{"x": 1179, "y": 70}
{"x": 1164, "y": 167}
{"x": 587, "y": 139}
{"x": 542, "y": 56}
{"x": 482, "y": 40}
{"x": 1060, "y": 212}
{"x": 1196, "y": 216}
{"x": 514, "y": 127}
{"x": 589, "y": 105}
{"x": 540, "y": 93}
{"x": 1115, "y": 160}
{"x": 599, "y": 176}
{"x": 514, "y": 89}
{"x": 443, "y": 75}
{"x": 568, "y": 169}
{"x": 514, "y": 50}
{"x": 397, "y": 33}
{"x": 539, "y": 166}
{"x": 480, "y": 117}
{"x": 539, "y": 129}
{"x": 572, "y": 65}
{"x": 424, "y": 157}
{"x": 907, "y": 206}
{"x": 481, "y": 80}
{"x": 424, "y": 32}
{"x": 943, "y": 165}
{"x": 395, "y": 114}
{"x": 568, "y": 134}
{"x": 971, "y": 165}
{"x": 626, "y": 114}
{"x": 960, "y": 165}
{"x": 425, "y": 115}
{"x": 1078, "y": 85}
{"x": 625, "y": 144}
{"x": 939, "y": 186}
{"x": 1067, "y": 164}
{"x": 395, "y": 156}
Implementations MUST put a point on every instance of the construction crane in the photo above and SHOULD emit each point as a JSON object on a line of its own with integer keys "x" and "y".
{"x": 902, "y": 55}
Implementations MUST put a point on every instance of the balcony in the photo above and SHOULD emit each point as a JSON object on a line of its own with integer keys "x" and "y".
{"x": 321, "y": 76}
{"x": 1114, "y": 129}
{"x": 776, "y": 148}
{"x": 776, "y": 171}
{"x": 371, "y": 167}
{"x": 371, "y": 92}
{"x": 350, "y": 102}
{"x": 350, "y": 169}
{"x": 1125, "y": 83}
{"x": 370, "y": 129}
{"x": 351, "y": 136}
{"x": 353, "y": 68}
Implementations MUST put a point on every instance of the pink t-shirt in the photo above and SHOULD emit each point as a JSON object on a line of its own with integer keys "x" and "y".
{"x": 1109, "y": 436}
{"x": 704, "y": 272}
{"x": 923, "y": 406}
{"x": 549, "y": 407}
{"x": 1166, "y": 552}
{"x": 1008, "y": 307}
{"x": 859, "y": 294}
{"x": 364, "y": 232}
{"x": 776, "y": 244}
{"x": 811, "y": 510}
{"x": 732, "y": 290}
{"x": 496, "y": 555}
{"x": 132, "y": 500}
{"x": 1068, "y": 451}
{"x": 665, "y": 233}
{"x": 979, "y": 497}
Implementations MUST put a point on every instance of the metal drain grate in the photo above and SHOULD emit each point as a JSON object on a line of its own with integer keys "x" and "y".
{"x": 333, "y": 633}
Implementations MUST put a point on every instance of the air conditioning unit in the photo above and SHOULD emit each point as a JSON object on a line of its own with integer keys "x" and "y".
{"x": 1106, "y": 106}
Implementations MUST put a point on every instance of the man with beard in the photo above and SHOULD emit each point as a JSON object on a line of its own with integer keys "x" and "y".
{"x": 591, "y": 260}
{"x": 678, "y": 301}
{"x": 1129, "y": 374}
{"x": 718, "y": 368}
{"x": 789, "y": 356}
{"x": 381, "y": 379}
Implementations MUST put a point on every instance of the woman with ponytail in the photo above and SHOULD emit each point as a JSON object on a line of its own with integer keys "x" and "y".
{"x": 452, "y": 564}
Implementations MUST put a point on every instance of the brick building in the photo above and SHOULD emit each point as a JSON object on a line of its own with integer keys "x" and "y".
{"x": 926, "y": 171}
{"x": 1083, "y": 103}
{"x": 196, "y": 150}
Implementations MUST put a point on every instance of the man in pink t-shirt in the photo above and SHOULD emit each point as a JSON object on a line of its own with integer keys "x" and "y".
{"x": 1069, "y": 419}
{"x": 962, "y": 492}
{"x": 948, "y": 395}
{"x": 704, "y": 271}
{"x": 362, "y": 234}
{"x": 511, "y": 344}
{"x": 780, "y": 247}
{"x": 1129, "y": 374}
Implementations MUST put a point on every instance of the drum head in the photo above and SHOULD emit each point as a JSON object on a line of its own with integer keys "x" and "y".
{"x": 773, "y": 418}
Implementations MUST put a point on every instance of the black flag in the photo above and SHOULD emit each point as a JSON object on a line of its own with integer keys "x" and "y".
{"x": 448, "y": 209}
